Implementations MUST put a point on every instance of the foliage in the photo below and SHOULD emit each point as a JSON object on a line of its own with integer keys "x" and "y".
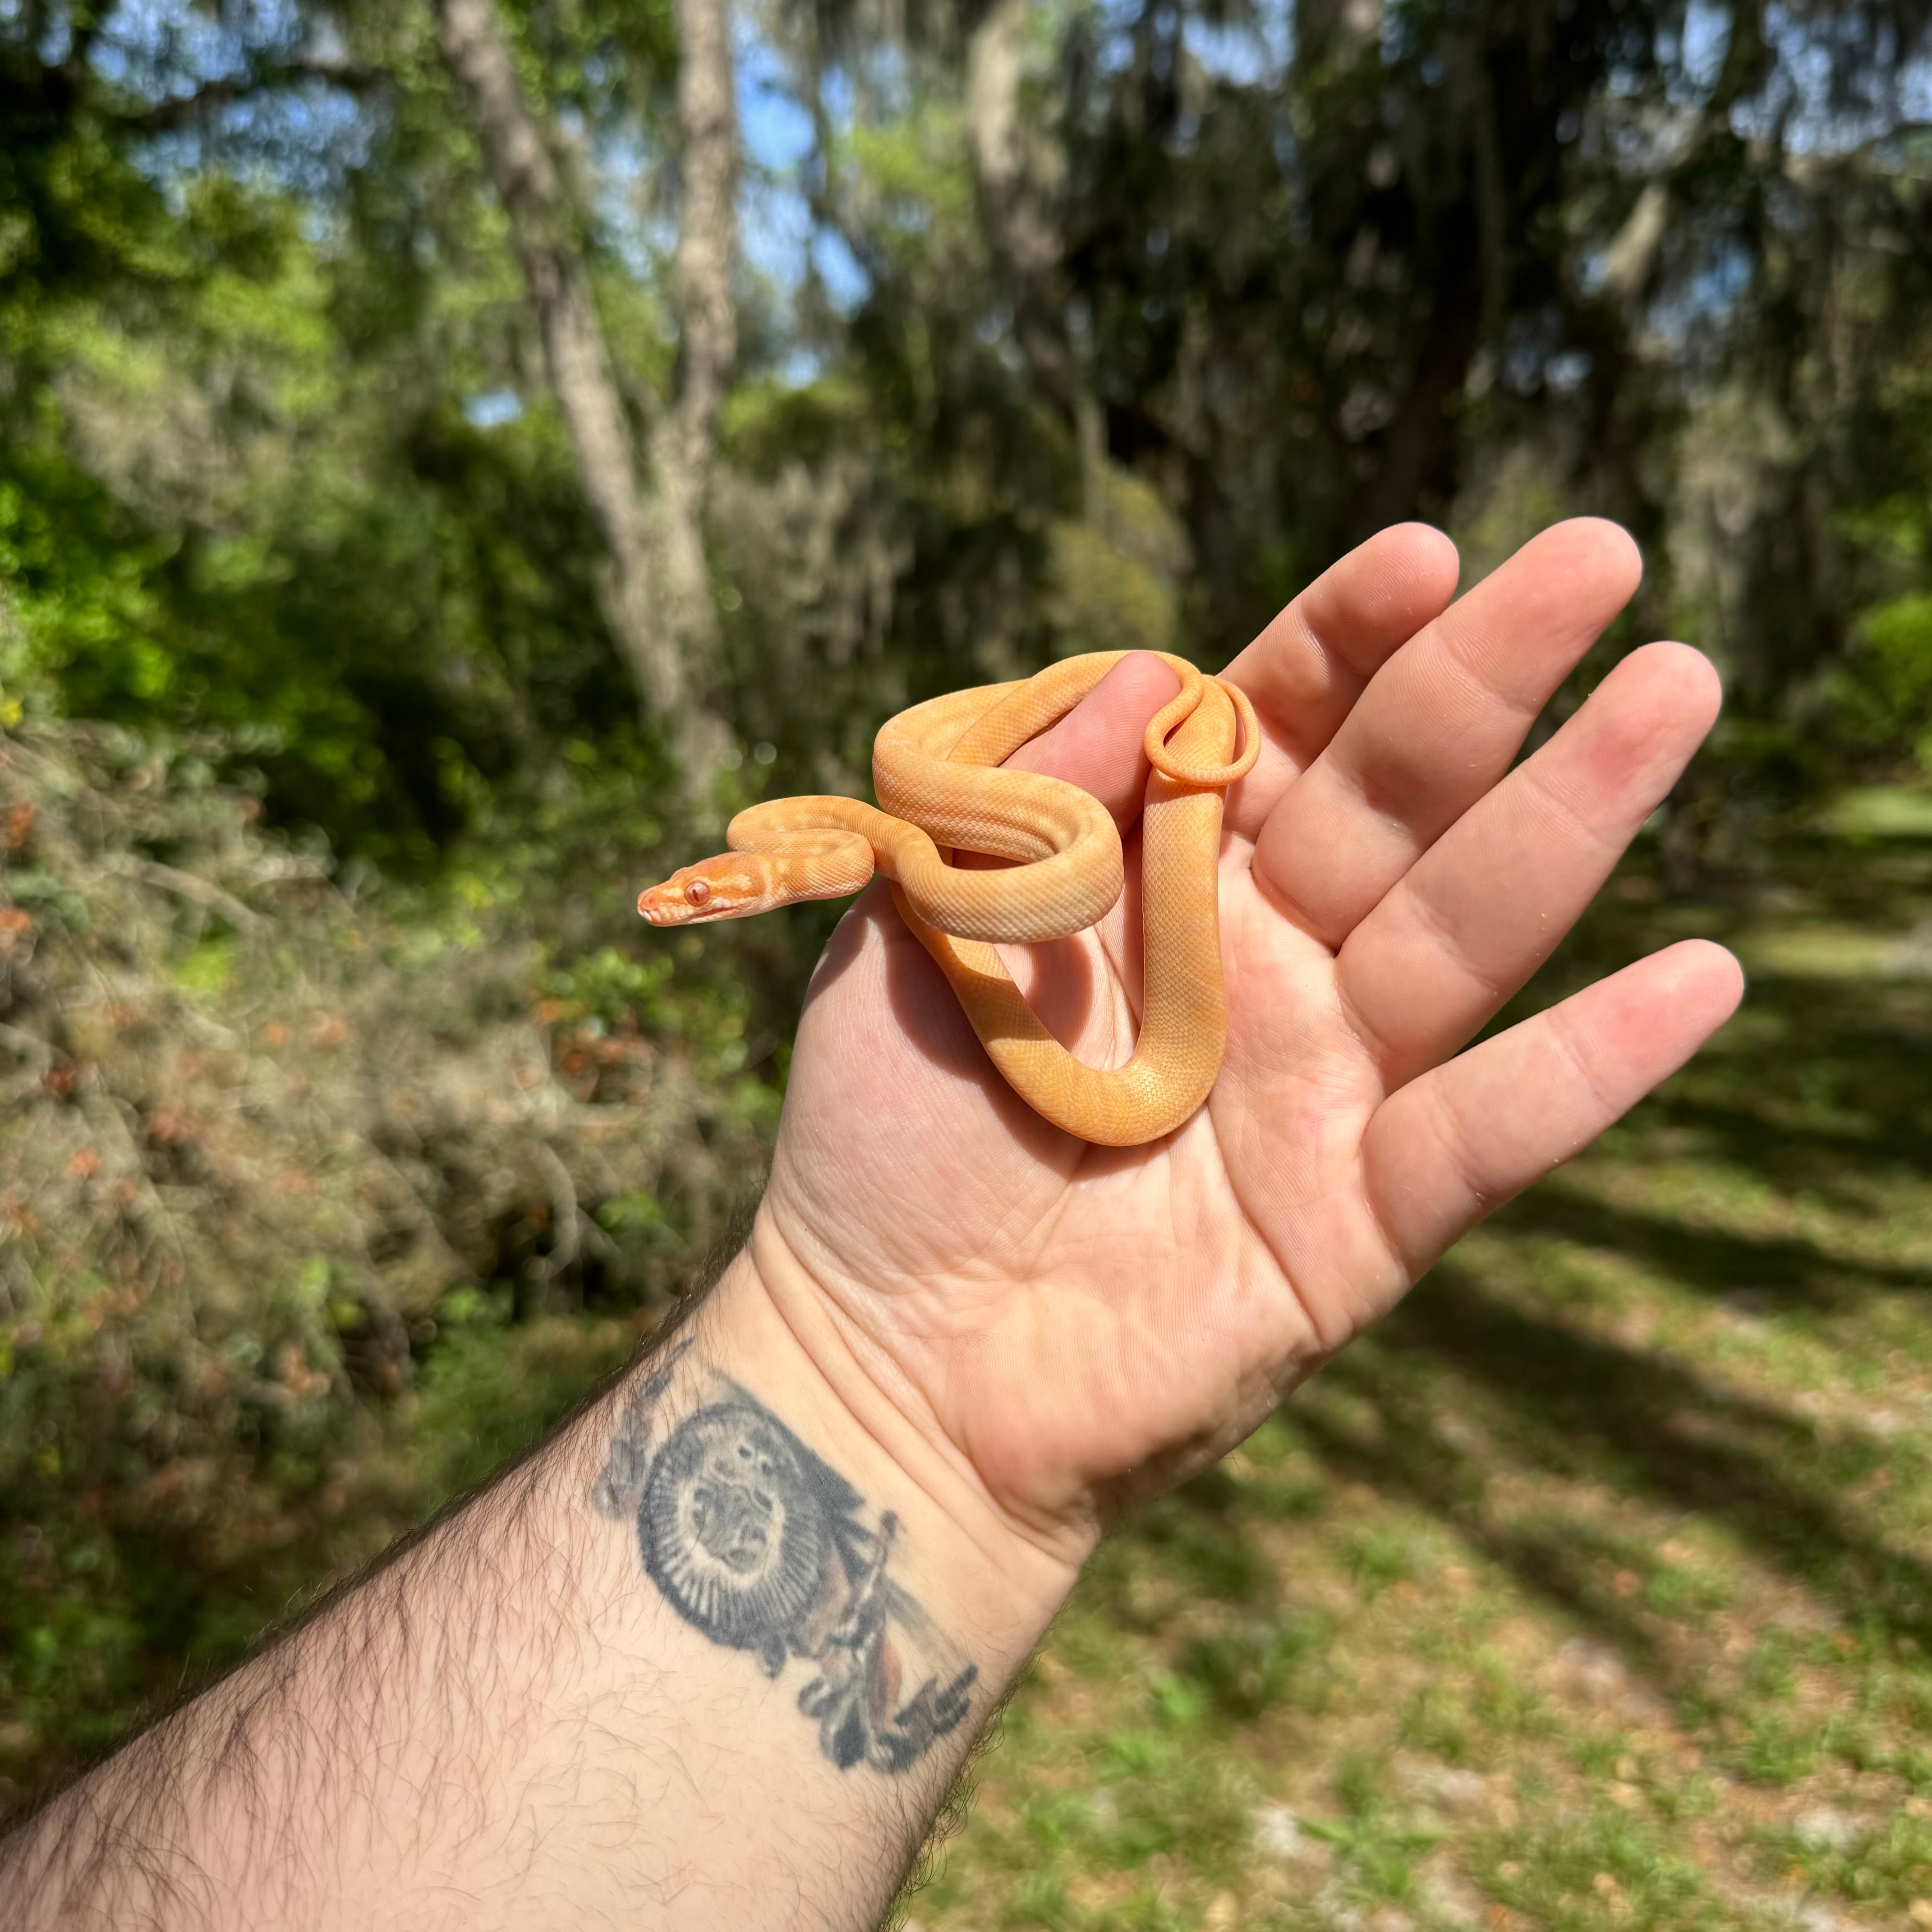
{"x": 279, "y": 456}
{"x": 270, "y": 1148}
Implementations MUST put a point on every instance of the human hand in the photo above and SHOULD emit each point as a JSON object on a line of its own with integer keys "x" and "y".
{"x": 1067, "y": 1328}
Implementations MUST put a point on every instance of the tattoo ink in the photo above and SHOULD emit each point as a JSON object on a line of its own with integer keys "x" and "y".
{"x": 762, "y": 1546}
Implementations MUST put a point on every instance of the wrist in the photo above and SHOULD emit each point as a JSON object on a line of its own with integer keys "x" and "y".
{"x": 991, "y": 1580}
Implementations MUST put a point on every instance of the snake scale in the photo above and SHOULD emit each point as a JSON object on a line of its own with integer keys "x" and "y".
{"x": 936, "y": 770}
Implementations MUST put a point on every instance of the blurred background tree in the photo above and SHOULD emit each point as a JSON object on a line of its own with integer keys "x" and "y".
{"x": 368, "y": 368}
{"x": 451, "y": 453}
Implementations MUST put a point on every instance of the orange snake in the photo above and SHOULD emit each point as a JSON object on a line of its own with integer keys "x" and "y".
{"x": 935, "y": 768}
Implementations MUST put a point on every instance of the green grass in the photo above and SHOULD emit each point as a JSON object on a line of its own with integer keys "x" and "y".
{"x": 1594, "y": 1590}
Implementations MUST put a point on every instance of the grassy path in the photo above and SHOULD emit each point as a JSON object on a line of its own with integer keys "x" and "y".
{"x": 1595, "y": 1590}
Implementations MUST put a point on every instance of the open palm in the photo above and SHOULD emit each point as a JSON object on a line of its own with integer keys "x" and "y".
{"x": 1078, "y": 1325}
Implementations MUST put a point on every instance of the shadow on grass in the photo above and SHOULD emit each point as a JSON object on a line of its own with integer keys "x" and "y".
{"x": 1555, "y": 1401}
{"x": 1201, "y": 1535}
{"x": 1825, "y": 1087}
{"x": 1780, "y": 1268}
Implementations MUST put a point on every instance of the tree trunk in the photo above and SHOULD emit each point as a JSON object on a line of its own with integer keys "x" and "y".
{"x": 686, "y": 441}
{"x": 1018, "y": 171}
{"x": 545, "y": 233}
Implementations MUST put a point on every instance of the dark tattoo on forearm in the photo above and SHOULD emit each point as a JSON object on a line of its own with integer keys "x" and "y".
{"x": 759, "y": 1544}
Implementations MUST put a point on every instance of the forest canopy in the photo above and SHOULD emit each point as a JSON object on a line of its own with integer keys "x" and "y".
{"x": 440, "y": 397}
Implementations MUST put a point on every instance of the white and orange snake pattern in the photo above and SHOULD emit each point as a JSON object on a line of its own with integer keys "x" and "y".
{"x": 936, "y": 770}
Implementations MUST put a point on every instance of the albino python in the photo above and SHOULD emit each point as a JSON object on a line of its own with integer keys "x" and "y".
{"x": 935, "y": 769}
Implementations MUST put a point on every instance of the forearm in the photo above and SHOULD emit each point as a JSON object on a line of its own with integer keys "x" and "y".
{"x": 711, "y": 1657}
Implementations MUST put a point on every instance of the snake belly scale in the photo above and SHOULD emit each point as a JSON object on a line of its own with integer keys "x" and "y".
{"x": 936, "y": 770}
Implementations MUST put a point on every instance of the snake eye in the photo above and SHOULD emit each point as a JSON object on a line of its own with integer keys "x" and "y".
{"x": 697, "y": 893}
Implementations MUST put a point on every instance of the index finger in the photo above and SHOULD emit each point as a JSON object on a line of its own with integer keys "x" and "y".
{"x": 1306, "y": 669}
{"x": 1303, "y": 673}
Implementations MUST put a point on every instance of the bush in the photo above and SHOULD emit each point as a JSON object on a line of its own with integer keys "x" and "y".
{"x": 269, "y": 1146}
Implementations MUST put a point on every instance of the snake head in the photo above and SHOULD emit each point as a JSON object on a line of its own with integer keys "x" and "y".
{"x": 725, "y": 887}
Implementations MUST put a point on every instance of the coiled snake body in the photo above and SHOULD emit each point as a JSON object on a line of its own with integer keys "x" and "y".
{"x": 935, "y": 770}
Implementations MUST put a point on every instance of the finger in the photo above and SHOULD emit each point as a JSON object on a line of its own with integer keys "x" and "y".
{"x": 1452, "y": 1146}
{"x": 1312, "y": 663}
{"x": 1483, "y": 908}
{"x": 1097, "y": 745}
{"x": 1439, "y": 725}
